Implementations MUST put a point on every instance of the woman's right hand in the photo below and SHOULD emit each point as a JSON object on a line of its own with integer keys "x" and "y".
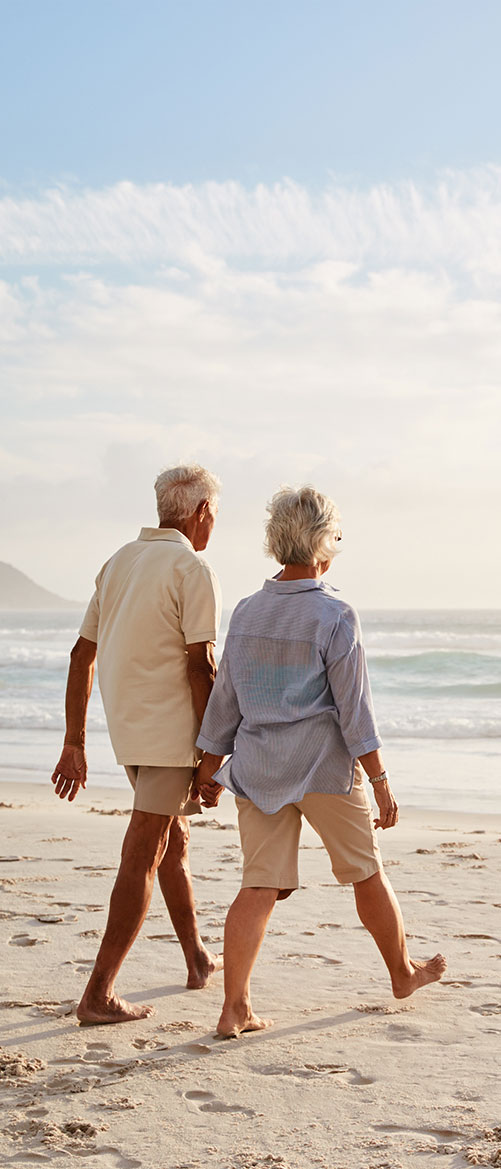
{"x": 387, "y": 805}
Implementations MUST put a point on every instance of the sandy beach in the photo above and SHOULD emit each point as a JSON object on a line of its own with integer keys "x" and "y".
{"x": 348, "y": 1078}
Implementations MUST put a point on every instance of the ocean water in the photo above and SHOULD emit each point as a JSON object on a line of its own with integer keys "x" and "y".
{"x": 436, "y": 681}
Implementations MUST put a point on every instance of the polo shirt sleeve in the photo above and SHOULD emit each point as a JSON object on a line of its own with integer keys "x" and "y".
{"x": 350, "y": 686}
{"x": 199, "y": 604}
{"x": 90, "y": 623}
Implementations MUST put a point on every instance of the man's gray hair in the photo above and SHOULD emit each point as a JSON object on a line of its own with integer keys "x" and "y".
{"x": 303, "y": 526}
{"x": 179, "y": 490}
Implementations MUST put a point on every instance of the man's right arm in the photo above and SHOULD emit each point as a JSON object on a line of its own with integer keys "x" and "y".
{"x": 201, "y": 669}
{"x": 71, "y": 771}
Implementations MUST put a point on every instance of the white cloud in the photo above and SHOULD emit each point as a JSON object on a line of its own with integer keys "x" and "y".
{"x": 456, "y": 221}
{"x": 353, "y": 339}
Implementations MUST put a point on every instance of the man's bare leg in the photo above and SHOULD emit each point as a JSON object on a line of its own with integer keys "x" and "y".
{"x": 379, "y": 912}
{"x": 175, "y": 882}
{"x": 244, "y": 932}
{"x": 142, "y": 851}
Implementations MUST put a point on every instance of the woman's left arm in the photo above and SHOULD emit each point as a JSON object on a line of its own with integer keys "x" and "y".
{"x": 349, "y": 682}
{"x": 217, "y": 733}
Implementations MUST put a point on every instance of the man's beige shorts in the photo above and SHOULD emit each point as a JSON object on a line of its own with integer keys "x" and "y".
{"x": 163, "y": 790}
{"x": 344, "y": 824}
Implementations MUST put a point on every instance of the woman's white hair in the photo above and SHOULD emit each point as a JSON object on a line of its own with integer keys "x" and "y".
{"x": 179, "y": 490}
{"x": 303, "y": 526}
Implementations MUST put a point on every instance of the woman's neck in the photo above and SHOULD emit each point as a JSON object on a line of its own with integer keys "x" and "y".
{"x": 300, "y": 572}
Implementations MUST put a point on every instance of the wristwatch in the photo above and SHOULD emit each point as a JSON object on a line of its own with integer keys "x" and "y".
{"x": 377, "y": 778}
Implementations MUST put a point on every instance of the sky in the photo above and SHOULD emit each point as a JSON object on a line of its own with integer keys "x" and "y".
{"x": 266, "y": 238}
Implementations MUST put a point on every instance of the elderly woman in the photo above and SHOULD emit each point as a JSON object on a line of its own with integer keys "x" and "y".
{"x": 292, "y": 706}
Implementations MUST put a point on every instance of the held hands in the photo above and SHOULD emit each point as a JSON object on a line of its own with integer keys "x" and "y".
{"x": 206, "y": 787}
{"x": 70, "y": 773}
{"x": 387, "y": 805}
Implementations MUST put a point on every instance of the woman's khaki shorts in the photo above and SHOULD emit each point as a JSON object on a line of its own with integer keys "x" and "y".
{"x": 164, "y": 790}
{"x": 344, "y": 824}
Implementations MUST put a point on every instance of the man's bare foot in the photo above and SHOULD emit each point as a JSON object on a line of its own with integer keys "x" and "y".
{"x": 110, "y": 1009}
{"x": 232, "y": 1023}
{"x": 203, "y": 966}
{"x": 421, "y": 974}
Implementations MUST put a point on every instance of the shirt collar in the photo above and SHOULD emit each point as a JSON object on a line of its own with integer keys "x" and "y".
{"x": 165, "y": 534}
{"x": 296, "y": 586}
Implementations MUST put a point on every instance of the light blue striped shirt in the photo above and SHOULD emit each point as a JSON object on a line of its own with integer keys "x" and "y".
{"x": 291, "y": 702}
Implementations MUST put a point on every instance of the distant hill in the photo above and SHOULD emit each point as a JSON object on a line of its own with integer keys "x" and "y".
{"x": 17, "y": 591}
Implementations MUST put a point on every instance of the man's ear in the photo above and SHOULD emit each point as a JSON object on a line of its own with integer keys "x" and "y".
{"x": 202, "y": 509}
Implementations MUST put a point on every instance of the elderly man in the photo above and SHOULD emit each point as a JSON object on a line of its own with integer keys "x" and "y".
{"x": 152, "y": 622}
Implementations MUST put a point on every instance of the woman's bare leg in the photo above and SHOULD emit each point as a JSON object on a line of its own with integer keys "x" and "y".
{"x": 380, "y": 913}
{"x": 243, "y": 934}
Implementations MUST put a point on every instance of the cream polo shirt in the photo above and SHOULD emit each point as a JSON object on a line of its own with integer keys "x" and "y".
{"x": 153, "y": 598}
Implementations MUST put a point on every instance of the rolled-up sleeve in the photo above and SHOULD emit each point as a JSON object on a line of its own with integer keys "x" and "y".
{"x": 222, "y": 715}
{"x": 349, "y": 682}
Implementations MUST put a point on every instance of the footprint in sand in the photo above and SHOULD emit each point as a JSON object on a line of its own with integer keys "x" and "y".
{"x": 94, "y": 868}
{"x": 369, "y": 1009}
{"x": 207, "y": 1102}
{"x": 477, "y": 937}
{"x": 402, "y": 1033}
{"x": 196, "y": 1048}
{"x": 55, "y": 918}
{"x": 150, "y": 1044}
{"x": 111, "y": 811}
{"x": 180, "y": 1025}
{"x": 310, "y": 1071}
{"x": 97, "y": 1052}
{"x": 123, "y": 1104}
{"x": 75, "y": 1137}
{"x": 487, "y": 1009}
{"x": 317, "y": 957}
{"x": 27, "y": 940}
{"x": 442, "y": 1133}
{"x": 58, "y": 1010}
{"x": 81, "y": 965}
{"x": 64, "y": 1084}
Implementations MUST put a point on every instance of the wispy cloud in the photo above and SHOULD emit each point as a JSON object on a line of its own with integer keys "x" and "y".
{"x": 456, "y": 220}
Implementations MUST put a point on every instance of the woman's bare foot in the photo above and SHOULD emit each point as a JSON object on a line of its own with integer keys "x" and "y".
{"x": 232, "y": 1023}
{"x": 110, "y": 1009}
{"x": 201, "y": 969}
{"x": 421, "y": 974}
